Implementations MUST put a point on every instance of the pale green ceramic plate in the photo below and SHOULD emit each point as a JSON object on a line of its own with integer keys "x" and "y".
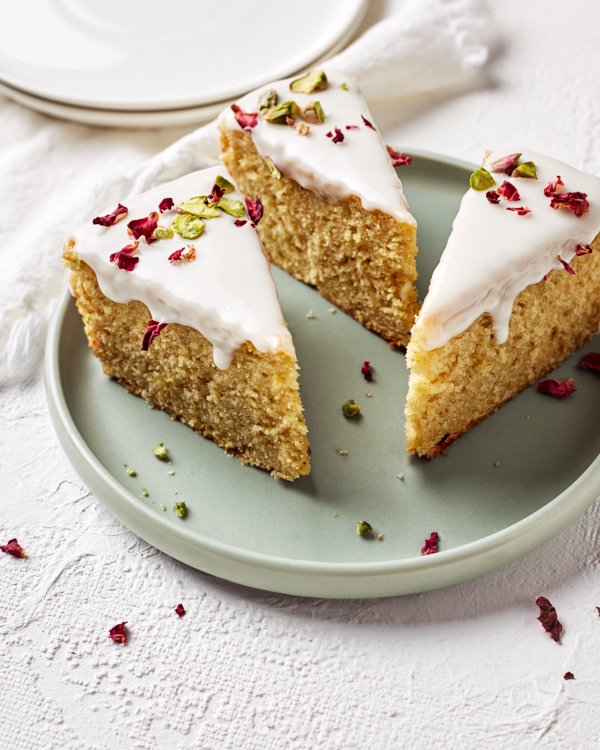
{"x": 245, "y": 527}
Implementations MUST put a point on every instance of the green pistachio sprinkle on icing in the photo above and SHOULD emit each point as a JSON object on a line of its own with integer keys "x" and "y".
{"x": 364, "y": 529}
{"x": 145, "y": 492}
{"x": 232, "y": 207}
{"x": 171, "y": 473}
{"x": 162, "y": 233}
{"x": 269, "y": 100}
{"x": 344, "y": 86}
{"x": 481, "y": 179}
{"x": 278, "y": 115}
{"x": 189, "y": 227}
{"x": 131, "y": 472}
{"x": 224, "y": 184}
{"x": 350, "y": 409}
{"x": 272, "y": 168}
{"x": 199, "y": 207}
{"x": 180, "y": 509}
{"x": 316, "y": 80}
{"x": 527, "y": 169}
{"x": 160, "y": 451}
{"x": 313, "y": 113}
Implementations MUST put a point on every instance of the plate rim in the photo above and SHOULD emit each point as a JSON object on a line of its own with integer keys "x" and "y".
{"x": 307, "y": 577}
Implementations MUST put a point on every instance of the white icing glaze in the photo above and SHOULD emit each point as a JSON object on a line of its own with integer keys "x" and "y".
{"x": 358, "y": 166}
{"x": 493, "y": 254}
{"x": 227, "y": 293}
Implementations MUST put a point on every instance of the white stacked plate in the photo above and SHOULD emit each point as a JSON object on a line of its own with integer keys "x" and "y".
{"x": 143, "y": 63}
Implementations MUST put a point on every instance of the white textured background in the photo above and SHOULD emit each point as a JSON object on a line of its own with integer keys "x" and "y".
{"x": 466, "y": 667}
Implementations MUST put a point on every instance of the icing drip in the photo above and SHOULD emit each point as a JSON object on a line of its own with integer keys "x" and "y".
{"x": 493, "y": 254}
{"x": 227, "y": 293}
{"x": 359, "y": 165}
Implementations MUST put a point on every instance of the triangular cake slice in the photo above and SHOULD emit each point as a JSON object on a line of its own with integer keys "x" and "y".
{"x": 335, "y": 214}
{"x": 515, "y": 292}
{"x": 180, "y": 307}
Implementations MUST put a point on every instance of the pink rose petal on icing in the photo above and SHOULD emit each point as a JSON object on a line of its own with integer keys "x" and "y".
{"x": 590, "y": 361}
{"x": 118, "y": 633}
{"x": 255, "y": 209}
{"x": 507, "y": 164}
{"x": 152, "y": 331}
{"x": 166, "y": 204}
{"x": 368, "y": 124}
{"x": 521, "y": 210}
{"x": 110, "y": 220}
{"x": 398, "y": 159}
{"x": 124, "y": 261}
{"x": 492, "y": 197}
{"x": 576, "y": 202}
{"x": 551, "y": 187}
{"x": 180, "y": 610}
{"x": 352, "y": 127}
{"x": 509, "y": 191}
{"x": 338, "y": 137}
{"x": 566, "y": 266}
{"x": 13, "y": 548}
{"x": 216, "y": 194}
{"x": 246, "y": 120}
{"x": 183, "y": 254}
{"x": 240, "y": 222}
{"x": 557, "y": 388}
{"x": 176, "y": 255}
{"x": 430, "y": 546}
{"x": 583, "y": 250}
{"x": 144, "y": 227}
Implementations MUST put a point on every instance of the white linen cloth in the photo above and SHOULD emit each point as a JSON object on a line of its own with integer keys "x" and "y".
{"x": 427, "y": 45}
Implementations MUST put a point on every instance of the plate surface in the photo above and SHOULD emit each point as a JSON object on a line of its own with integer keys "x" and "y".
{"x": 144, "y": 55}
{"x": 285, "y": 537}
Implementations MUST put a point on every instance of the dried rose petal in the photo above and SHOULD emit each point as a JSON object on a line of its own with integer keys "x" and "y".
{"x": 255, "y": 209}
{"x": 367, "y": 123}
{"x": 240, "y": 222}
{"x": 583, "y": 250}
{"x": 507, "y": 164}
{"x": 127, "y": 250}
{"x": 182, "y": 255}
{"x": 430, "y": 546}
{"x": 509, "y": 191}
{"x": 110, "y": 220}
{"x": 216, "y": 194}
{"x": 398, "y": 159}
{"x": 569, "y": 676}
{"x": 493, "y": 197}
{"x": 352, "y": 127}
{"x": 598, "y": 608}
{"x": 366, "y": 371}
{"x": 180, "y": 610}
{"x": 338, "y": 137}
{"x": 576, "y": 202}
{"x": 521, "y": 210}
{"x": 144, "y": 227}
{"x": 176, "y": 255}
{"x": 567, "y": 267}
{"x": 13, "y": 548}
{"x": 118, "y": 633}
{"x": 557, "y": 388}
{"x": 590, "y": 361}
{"x": 548, "y": 618}
{"x": 124, "y": 260}
{"x": 550, "y": 188}
{"x": 152, "y": 331}
{"x": 246, "y": 120}
{"x": 166, "y": 204}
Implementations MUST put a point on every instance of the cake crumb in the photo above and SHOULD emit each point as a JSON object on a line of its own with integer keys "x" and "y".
{"x": 331, "y": 310}
{"x": 343, "y": 453}
{"x": 162, "y": 507}
{"x": 527, "y": 416}
{"x": 400, "y": 476}
{"x": 380, "y": 538}
{"x": 309, "y": 314}
{"x": 145, "y": 492}
{"x": 497, "y": 464}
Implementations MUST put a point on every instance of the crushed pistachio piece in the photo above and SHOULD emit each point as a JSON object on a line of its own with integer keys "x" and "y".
{"x": 331, "y": 310}
{"x": 224, "y": 184}
{"x": 145, "y": 492}
{"x": 269, "y": 100}
{"x": 527, "y": 169}
{"x": 131, "y": 472}
{"x": 163, "y": 507}
{"x": 316, "y": 80}
{"x": 313, "y": 113}
{"x": 272, "y": 168}
{"x": 232, "y": 207}
{"x": 380, "y": 538}
{"x": 350, "y": 409}
{"x": 71, "y": 259}
{"x": 400, "y": 476}
{"x": 343, "y": 453}
{"x": 309, "y": 314}
{"x": 364, "y": 529}
{"x": 344, "y": 86}
{"x": 199, "y": 207}
{"x": 497, "y": 464}
{"x": 180, "y": 509}
{"x": 189, "y": 227}
{"x": 481, "y": 179}
{"x": 162, "y": 233}
{"x": 160, "y": 451}
{"x": 278, "y": 115}
{"x": 170, "y": 473}
{"x": 335, "y": 514}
